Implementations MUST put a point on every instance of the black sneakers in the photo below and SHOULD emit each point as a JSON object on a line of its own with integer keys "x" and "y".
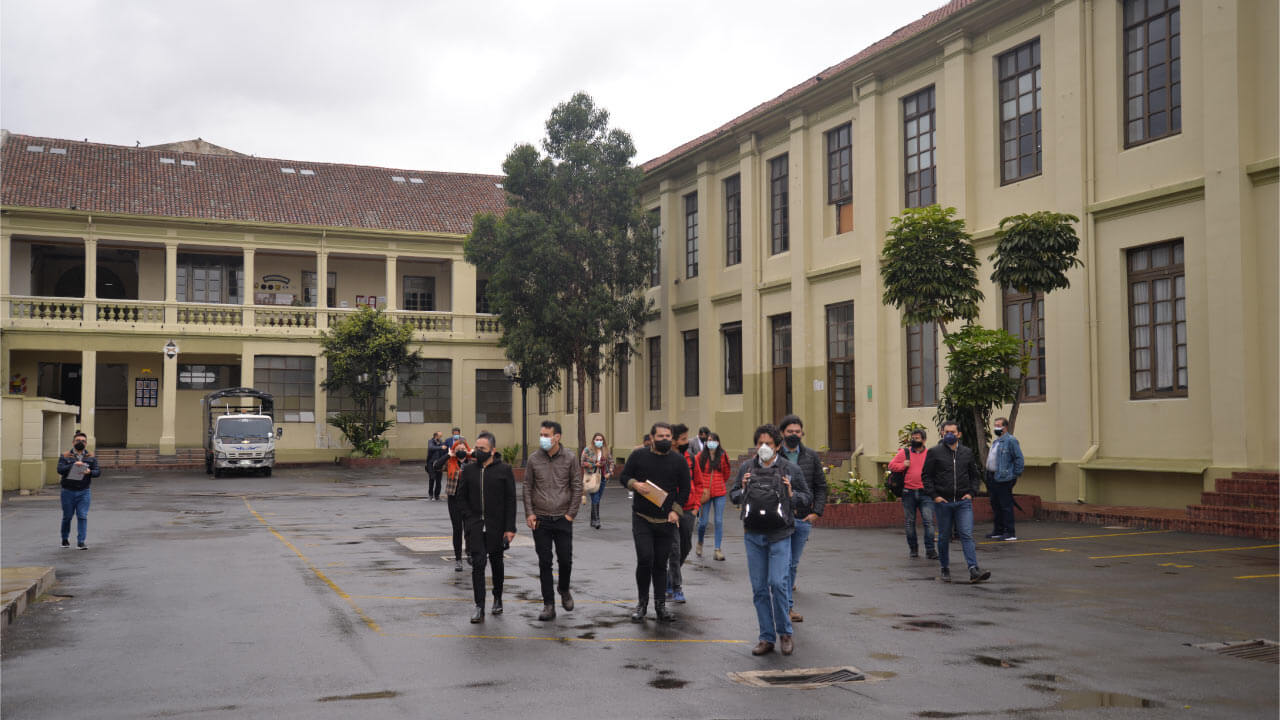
{"x": 977, "y": 575}
{"x": 497, "y": 606}
{"x": 478, "y": 615}
{"x": 641, "y": 609}
{"x": 946, "y": 575}
{"x": 81, "y": 546}
{"x": 66, "y": 543}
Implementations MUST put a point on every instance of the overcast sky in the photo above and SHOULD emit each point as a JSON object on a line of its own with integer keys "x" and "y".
{"x": 405, "y": 83}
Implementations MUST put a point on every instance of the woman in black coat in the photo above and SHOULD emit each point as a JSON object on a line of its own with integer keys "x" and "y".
{"x": 486, "y": 498}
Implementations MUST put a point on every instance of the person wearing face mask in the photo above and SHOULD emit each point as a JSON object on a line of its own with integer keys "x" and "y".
{"x": 769, "y": 551}
{"x": 1004, "y": 464}
{"x": 698, "y": 442}
{"x": 437, "y": 451}
{"x": 688, "y": 510}
{"x": 78, "y": 467}
{"x": 459, "y": 453}
{"x": 552, "y": 492}
{"x": 810, "y": 465}
{"x": 950, "y": 477}
{"x": 487, "y": 501}
{"x": 910, "y": 460}
{"x": 653, "y": 526}
{"x": 711, "y": 474}
{"x": 596, "y": 459}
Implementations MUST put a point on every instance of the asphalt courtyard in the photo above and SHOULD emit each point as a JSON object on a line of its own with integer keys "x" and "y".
{"x": 320, "y": 593}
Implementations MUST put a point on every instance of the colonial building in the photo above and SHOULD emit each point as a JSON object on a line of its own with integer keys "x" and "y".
{"x": 111, "y": 253}
{"x": 1154, "y": 122}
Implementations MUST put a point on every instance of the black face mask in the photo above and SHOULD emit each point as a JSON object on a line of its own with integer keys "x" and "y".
{"x": 999, "y": 431}
{"x": 79, "y": 447}
{"x": 460, "y": 453}
{"x": 684, "y": 448}
{"x": 482, "y": 456}
{"x": 662, "y": 446}
{"x": 916, "y": 444}
{"x": 792, "y": 441}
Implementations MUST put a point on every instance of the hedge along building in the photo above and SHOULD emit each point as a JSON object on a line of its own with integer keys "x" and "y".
{"x": 1155, "y": 124}
{"x": 109, "y": 253}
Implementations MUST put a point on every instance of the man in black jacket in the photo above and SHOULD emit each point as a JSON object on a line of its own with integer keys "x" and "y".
{"x": 950, "y": 477}
{"x": 810, "y": 465}
{"x": 654, "y": 527}
{"x": 487, "y": 500}
{"x": 437, "y": 453}
{"x": 78, "y": 467}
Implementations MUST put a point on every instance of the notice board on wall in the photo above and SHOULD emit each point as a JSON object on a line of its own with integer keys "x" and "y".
{"x": 146, "y": 392}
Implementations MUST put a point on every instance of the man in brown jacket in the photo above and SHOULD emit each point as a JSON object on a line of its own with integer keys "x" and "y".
{"x": 552, "y": 492}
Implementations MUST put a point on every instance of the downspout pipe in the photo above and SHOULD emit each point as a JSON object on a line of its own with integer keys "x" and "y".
{"x": 1088, "y": 227}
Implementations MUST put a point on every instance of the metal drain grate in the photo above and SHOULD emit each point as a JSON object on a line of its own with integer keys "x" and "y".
{"x": 804, "y": 678}
{"x": 1267, "y": 651}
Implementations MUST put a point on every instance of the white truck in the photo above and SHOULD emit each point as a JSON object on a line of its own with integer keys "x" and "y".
{"x": 239, "y": 432}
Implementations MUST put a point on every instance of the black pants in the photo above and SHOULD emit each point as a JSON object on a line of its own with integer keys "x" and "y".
{"x": 680, "y": 550}
{"x": 1001, "y": 504}
{"x": 477, "y": 573}
{"x": 653, "y": 550}
{"x": 557, "y": 532}
{"x": 434, "y": 480}
{"x": 455, "y": 517}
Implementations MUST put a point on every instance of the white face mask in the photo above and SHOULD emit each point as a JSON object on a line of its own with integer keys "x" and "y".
{"x": 712, "y": 444}
{"x": 765, "y": 453}
{"x": 599, "y": 443}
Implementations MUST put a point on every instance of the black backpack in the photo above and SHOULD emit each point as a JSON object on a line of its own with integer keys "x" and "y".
{"x": 766, "y": 504}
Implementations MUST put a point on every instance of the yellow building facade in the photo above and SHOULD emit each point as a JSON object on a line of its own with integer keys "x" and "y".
{"x": 110, "y": 254}
{"x": 1155, "y": 124}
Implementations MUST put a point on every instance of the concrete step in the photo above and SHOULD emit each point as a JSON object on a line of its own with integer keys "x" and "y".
{"x": 1248, "y": 485}
{"x": 1242, "y": 500}
{"x": 1252, "y": 516}
{"x": 21, "y": 586}
{"x": 1231, "y": 529}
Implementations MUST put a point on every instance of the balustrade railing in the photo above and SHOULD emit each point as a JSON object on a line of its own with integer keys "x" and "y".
{"x": 130, "y": 312}
{"x": 217, "y": 315}
{"x": 488, "y": 324}
{"x": 426, "y": 322}
{"x": 31, "y": 308}
{"x": 290, "y": 318}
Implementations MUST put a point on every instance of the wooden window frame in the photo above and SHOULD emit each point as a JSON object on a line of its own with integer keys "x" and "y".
{"x": 919, "y": 362}
{"x": 429, "y": 282}
{"x": 732, "y": 220}
{"x": 623, "y": 373}
{"x": 779, "y": 205}
{"x": 655, "y": 372}
{"x": 1018, "y": 83}
{"x": 919, "y": 111}
{"x": 493, "y": 397}
{"x": 288, "y": 378}
{"x": 691, "y": 235}
{"x": 1032, "y": 341}
{"x": 1137, "y": 69}
{"x": 732, "y": 335}
{"x": 1174, "y": 272}
{"x": 689, "y": 342}
{"x": 840, "y": 164}
{"x": 432, "y": 392}
{"x": 655, "y": 227}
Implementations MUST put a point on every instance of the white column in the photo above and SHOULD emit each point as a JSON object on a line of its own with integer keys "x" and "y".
{"x": 91, "y": 279}
{"x": 393, "y": 285}
{"x": 250, "y": 285}
{"x": 6, "y": 267}
{"x": 170, "y": 282}
{"x": 169, "y": 405}
{"x": 322, "y": 289}
{"x": 463, "y": 285}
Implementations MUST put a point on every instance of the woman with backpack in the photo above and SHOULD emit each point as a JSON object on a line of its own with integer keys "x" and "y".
{"x": 766, "y": 487}
{"x": 711, "y": 473}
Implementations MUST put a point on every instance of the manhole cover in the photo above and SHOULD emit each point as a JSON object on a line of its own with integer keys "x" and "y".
{"x": 1267, "y": 651}
{"x": 802, "y": 679}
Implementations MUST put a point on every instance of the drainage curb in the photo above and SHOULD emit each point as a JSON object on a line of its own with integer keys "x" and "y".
{"x": 21, "y": 586}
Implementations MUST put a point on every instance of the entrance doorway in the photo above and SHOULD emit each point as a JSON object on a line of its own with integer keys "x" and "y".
{"x": 60, "y": 381}
{"x": 111, "y": 406}
{"x": 840, "y": 394}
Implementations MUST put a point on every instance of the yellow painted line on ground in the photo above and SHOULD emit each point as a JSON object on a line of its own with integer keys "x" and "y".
{"x": 673, "y": 641}
{"x": 1183, "y": 552}
{"x": 332, "y": 585}
{"x": 1055, "y": 549}
{"x": 469, "y": 599}
{"x": 1073, "y": 537}
{"x": 1255, "y": 577}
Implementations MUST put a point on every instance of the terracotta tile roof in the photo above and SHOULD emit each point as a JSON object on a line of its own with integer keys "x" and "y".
{"x": 898, "y": 36}
{"x": 117, "y": 179}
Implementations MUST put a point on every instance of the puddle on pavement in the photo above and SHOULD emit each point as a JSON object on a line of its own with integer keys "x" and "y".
{"x": 1044, "y": 677}
{"x": 839, "y": 595}
{"x": 1039, "y": 687}
{"x": 665, "y": 683}
{"x": 1085, "y": 699}
{"x": 880, "y": 674}
{"x": 360, "y": 696}
{"x": 913, "y": 625}
{"x": 884, "y": 656}
{"x": 995, "y": 662}
{"x": 587, "y": 636}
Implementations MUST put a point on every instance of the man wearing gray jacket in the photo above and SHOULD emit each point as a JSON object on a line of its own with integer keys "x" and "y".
{"x": 552, "y": 492}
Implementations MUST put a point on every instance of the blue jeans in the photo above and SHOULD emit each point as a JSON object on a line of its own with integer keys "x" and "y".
{"x": 768, "y": 565}
{"x": 911, "y": 500}
{"x": 716, "y": 503}
{"x": 75, "y": 502}
{"x": 599, "y": 493}
{"x": 798, "y": 540}
{"x": 961, "y": 514}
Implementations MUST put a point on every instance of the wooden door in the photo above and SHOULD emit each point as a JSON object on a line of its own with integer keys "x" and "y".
{"x": 840, "y": 408}
{"x": 111, "y": 407}
{"x": 781, "y": 393}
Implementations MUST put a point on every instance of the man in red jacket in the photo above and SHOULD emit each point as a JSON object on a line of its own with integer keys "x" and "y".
{"x": 911, "y": 461}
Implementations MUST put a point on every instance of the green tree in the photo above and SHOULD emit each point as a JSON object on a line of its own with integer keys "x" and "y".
{"x": 978, "y": 381}
{"x": 1034, "y": 253}
{"x": 365, "y": 352}
{"x": 929, "y": 267}
{"x": 570, "y": 258}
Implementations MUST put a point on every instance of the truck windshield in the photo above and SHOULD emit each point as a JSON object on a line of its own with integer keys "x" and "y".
{"x": 233, "y": 429}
